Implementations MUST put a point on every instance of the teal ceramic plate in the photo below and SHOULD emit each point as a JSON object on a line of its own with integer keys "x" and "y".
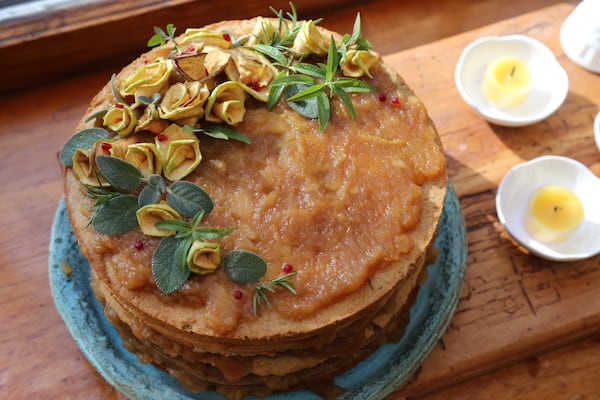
{"x": 375, "y": 378}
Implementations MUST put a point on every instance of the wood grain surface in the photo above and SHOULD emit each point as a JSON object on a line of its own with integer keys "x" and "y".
{"x": 524, "y": 328}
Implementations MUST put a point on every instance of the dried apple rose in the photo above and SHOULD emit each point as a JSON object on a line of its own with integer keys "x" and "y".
{"x": 82, "y": 168}
{"x": 263, "y": 32}
{"x": 252, "y": 71}
{"x": 189, "y": 65}
{"x": 145, "y": 157}
{"x": 226, "y": 104}
{"x": 150, "y": 214}
{"x": 148, "y": 79}
{"x": 150, "y": 121}
{"x": 120, "y": 119}
{"x": 184, "y": 101}
{"x": 204, "y": 37}
{"x": 357, "y": 63}
{"x": 179, "y": 152}
{"x": 204, "y": 257}
{"x": 310, "y": 40}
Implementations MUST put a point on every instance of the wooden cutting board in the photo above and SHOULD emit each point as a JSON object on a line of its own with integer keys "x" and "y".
{"x": 513, "y": 305}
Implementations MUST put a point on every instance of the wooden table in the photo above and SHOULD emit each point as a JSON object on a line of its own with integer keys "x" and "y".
{"x": 524, "y": 328}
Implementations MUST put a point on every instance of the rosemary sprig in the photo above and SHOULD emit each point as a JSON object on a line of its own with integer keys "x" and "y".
{"x": 321, "y": 82}
{"x": 262, "y": 290}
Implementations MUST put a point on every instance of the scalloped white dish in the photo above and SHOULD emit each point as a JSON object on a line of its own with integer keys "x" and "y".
{"x": 550, "y": 82}
{"x": 523, "y": 179}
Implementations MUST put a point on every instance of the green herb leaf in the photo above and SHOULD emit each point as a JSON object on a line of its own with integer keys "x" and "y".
{"x": 181, "y": 254}
{"x": 116, "y": 215}
{"x": 114, "y": 90}
{"x": 341, "y": 93}
{"x": 148, "y": 101}
{"x": 209, "y": 233}
{"x": 176, "y": 225}
{"x": 219, "y": 132}
{"x": 271, "y": 52}
{"x": 149, "y": 195}
{"x": 188, "y": 199}
{"x": 260, "y": 292}
{"x": 310, "y": 70}
{"x": 119, "y": 173}
{"x": 83, "y": 139}
{"x": 324, "y": 110}
{"x": 95, "y": 115}
{"x": 166, "y": 272}
{"x": 244, "y": 266}
{"x": 307, "y": 107}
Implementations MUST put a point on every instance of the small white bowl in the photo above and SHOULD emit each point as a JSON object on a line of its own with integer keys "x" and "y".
{"x": 580, "y": 35}
{"x": 522, "y": 180}
{"x": 597, "y": 130}
{"x": 550, "y": 82}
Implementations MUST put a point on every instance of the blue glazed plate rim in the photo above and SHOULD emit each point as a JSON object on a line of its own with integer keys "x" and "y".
{"x": 392, "y": 365}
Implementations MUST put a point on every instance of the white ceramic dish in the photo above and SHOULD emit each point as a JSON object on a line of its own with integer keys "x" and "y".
{"x": 522, "y": 180}
{"x": 550, "y": 83}
{"x": 580, "y": 35}
{"x": 597, "y": 130}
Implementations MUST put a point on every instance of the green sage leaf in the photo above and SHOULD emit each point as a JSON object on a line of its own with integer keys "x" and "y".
{"x": 166, "y": 272}
{"x": 188, "y": 199}
{"x": 114, "y": 90}
{"x": 119, "y": 173}
{"x": 95, "y": 115}
{"x": 116, "y": 215}
{"x": 149, "y": 195}
{"x": 83, "y": 139}
{"x": 308, "y": 107}
{"x": 244, "y": 266}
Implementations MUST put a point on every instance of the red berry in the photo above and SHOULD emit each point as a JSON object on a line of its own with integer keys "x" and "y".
{"x": 396, "y": 101}
{"x": 237, "y": 294}
{"x": 118, "y": 105}
{"x": 106, "y": 146}
{"x": 161, "y": 137}
{"x": 382, "y": 97}
{"x": 138, "y": 244}
{"x": 227, "y": 37}
{"x": 146, "y": 61}
{"x": 254, "y": 85}
{"x": 287, "y": 268}
{"x": 190, "y": 49}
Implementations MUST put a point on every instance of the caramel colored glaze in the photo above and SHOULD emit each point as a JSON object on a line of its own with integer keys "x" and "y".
{"x": 295, "y": 193}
